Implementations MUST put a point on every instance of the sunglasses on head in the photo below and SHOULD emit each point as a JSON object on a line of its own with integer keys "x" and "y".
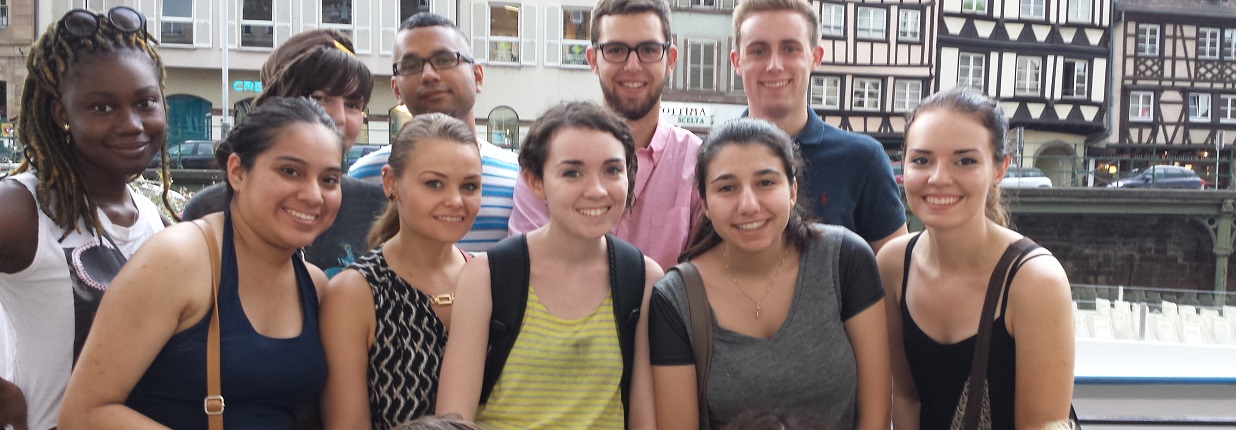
{"x": 83, "y": 23}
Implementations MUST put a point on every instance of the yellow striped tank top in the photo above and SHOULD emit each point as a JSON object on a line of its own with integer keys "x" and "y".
{"x": 561, "y": 374}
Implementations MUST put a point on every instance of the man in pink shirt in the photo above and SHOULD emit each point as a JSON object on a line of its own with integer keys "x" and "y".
{"x": 631, "y": 54}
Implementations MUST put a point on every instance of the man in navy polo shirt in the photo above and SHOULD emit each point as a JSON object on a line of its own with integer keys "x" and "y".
{"x": 848, "y": 179}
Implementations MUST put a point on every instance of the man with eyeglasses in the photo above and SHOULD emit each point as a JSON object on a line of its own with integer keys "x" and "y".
{"x": 434, "y": 71}
{"x": 631, "y": 54}
{"x": 848, "y": 179}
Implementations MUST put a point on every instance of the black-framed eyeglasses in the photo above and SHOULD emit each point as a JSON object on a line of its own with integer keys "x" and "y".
{"x": 83, "y": 23}
{"x": 439, "y": 61}
{"x": 647, "y": 52}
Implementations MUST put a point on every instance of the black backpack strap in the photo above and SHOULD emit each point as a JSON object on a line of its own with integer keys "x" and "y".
{"x": 508, "y": 288}
{"x": 626, "y": 280}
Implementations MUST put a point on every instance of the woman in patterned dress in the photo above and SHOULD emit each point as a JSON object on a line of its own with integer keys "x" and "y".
{"x": 385, "y": 318}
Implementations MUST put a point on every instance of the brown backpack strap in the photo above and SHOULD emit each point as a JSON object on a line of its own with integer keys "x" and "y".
{"x": 701, "y": 333}
{"x": 212, "y": 404}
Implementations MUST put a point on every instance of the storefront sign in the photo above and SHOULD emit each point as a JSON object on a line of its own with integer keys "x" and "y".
{"x": 247, "y": 86}
{"x": 687, "y": 114}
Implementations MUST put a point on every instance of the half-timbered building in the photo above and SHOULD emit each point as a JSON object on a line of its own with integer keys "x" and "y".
{"x": 1175, "y": 81}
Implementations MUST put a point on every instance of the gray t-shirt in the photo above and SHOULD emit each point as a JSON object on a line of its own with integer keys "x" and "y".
{"x": 808, "y": 366}
{"x": 335, "y": 248}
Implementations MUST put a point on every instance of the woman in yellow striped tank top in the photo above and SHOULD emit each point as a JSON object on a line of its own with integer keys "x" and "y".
{"x": 565, "y": 368}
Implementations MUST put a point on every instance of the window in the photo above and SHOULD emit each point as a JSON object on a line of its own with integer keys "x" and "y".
{"x": 1141, "y": 106}
{"x": 703, "y": 3}
{"x": 1208, "y": 43}
{"x": 871, "y": 23}
{"x": 407, "y": 8}
{"x": 503, "y": 127}
{"x": 4, "y": 13}
{"x": 1029, "y": 70}
{"x": 908, "y": 24}
{"x": 1076, "y": 78}
{"x": 503, "y": 33}
{"x": 826, "y": 92}
{"x": 1227, "y": 109}
{"x": 1148, "y": 39}
{"x": 702, "y": 65}
{"x": 867, "y": 94}
{"x": 1229, "y": 43}
{"x": 1199, "y": 107}
{"x": 832, "y": 20}
{"x": 974, "y": 6}
{"x": 576, "y": 36}
{"x": 337, "y": 15}
{"x": 970, "y": 70}
{"x": 1079, "y": 10}
{"x": 1032, "y": 9}
{"x": 257, "y": 24}
{"x": 176, "y": 22}
{"x": 906, "y": 95}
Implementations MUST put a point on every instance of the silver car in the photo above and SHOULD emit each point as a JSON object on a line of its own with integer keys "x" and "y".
{"x": 1024, "y": 177}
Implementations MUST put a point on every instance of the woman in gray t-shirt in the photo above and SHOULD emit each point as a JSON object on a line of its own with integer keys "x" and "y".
{"x": 798, "y": 317}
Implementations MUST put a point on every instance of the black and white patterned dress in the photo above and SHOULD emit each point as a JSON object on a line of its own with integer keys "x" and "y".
{"x": 407, "y": 346}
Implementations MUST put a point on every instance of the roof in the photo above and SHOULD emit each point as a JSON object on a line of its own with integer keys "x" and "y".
{"x": 1203, "y": 8}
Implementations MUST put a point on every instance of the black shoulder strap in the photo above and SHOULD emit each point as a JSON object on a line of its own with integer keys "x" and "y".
{"x": 508, "y": 288}
{"x": 626, "y": 281}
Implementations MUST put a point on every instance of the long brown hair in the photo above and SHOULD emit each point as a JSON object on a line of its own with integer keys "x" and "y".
{"x": 745, "y": 131}
{"x": 420, "y": 128}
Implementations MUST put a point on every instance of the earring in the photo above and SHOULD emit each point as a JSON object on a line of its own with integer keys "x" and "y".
{"x": 391, "y": 197}
{"x": 66, "y": 127}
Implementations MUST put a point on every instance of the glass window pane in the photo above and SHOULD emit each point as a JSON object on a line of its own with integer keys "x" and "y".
{"x": 177, "y": 8}
{"x": 257, "y": 10}
{"x": 176, "y": 33}
{"x": 407, "y": 8}
{"x": 337, "y": 12}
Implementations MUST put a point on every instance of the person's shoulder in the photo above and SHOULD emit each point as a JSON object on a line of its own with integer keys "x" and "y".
{"x": 359, "y": 186}
{"x": 491, "y": 153}
{"x": 206, "y": 201}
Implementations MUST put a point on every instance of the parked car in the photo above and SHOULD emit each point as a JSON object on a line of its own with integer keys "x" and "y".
{"x": 1024, "y": 177}
{"x": 1162, "y": 176}
{"x": 358, "y": 151}
{"x": 897, "y": 172}
{"x": 190, "y": 154}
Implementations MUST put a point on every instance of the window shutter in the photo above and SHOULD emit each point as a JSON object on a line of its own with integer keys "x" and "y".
{"x": 388, "y": 19}
{"x": 310, "y": 16}
{"x": 233, "y": 27}
{"x": 553, "y": 35}
{"x": 527, "y": 34}
{"x": 283, "y": 21}
{"x": 362, "y": 19}
{"x": 693, "y": 65}
{"x": 480, "y": 31}
{"x": 682, "y": 3}
{"x": 203, "y": 24}
{"x": 727, "y": 4}
{"x": 709, "y": 70}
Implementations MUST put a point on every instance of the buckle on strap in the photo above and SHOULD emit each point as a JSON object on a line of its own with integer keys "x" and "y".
{"x": 213, "y": 405}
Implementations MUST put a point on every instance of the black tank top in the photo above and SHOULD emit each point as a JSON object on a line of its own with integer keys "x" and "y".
{"x": 940, "y": 370}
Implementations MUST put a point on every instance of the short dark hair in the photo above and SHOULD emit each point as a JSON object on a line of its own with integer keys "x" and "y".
{"x": 258, "y": 131}
{"x": 430, "y": 19}
{"x": 534, "y": 151}
{"x": 746, "y": 131}
{"x": 631, "y": 7}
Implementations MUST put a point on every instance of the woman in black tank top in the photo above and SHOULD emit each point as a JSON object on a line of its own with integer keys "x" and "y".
{"x": 955, "y": 157}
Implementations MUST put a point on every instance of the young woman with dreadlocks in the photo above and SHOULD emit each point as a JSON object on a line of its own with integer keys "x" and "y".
{"x": 92, "y": 117}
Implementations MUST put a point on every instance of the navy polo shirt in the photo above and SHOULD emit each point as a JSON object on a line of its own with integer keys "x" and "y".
{"x": 848, "y": 180}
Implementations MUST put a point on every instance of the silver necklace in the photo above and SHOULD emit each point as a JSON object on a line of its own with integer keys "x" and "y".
{"x": 758, "y": 303}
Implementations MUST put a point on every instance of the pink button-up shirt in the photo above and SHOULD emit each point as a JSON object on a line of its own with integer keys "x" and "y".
{"x": 659, "y": 219}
